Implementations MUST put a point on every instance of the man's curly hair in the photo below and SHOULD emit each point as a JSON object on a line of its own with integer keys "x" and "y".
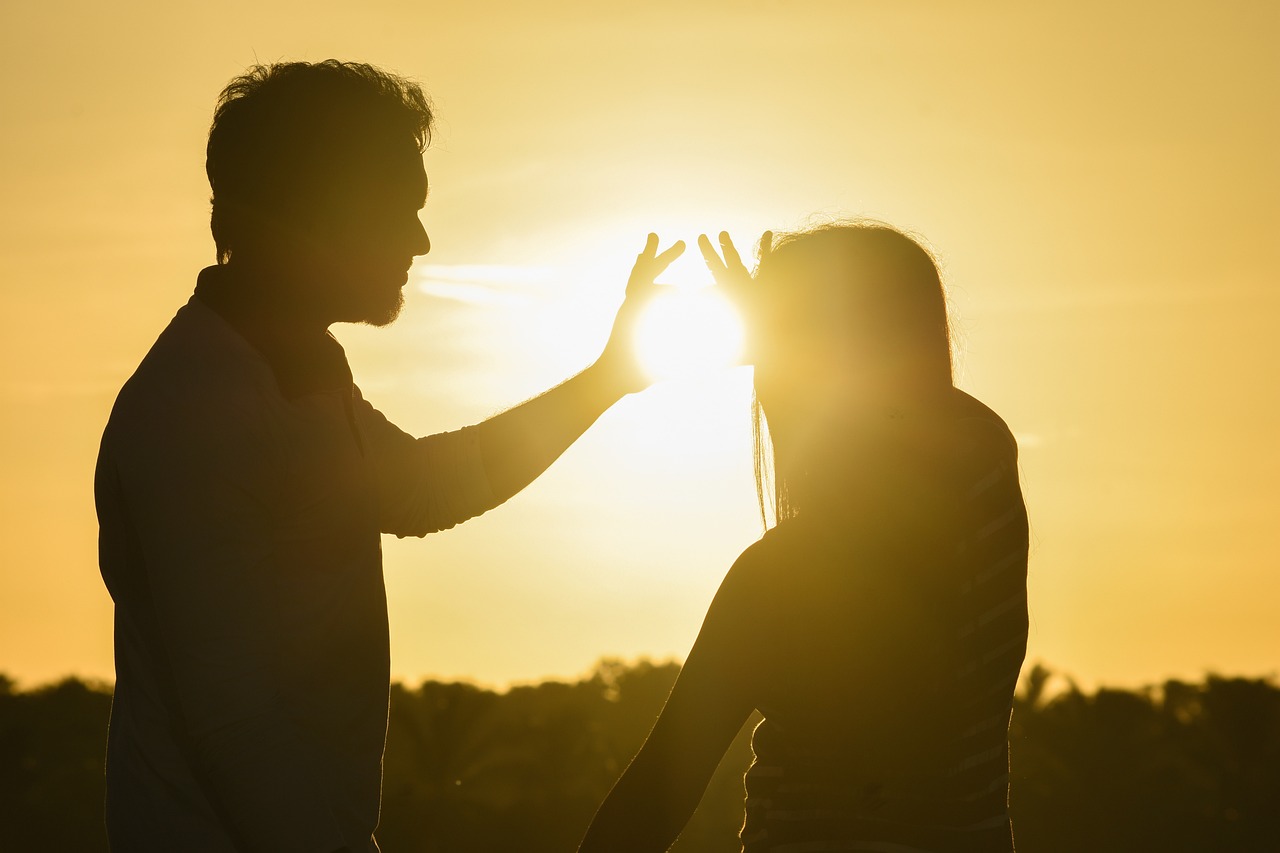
{"x": 278, "y": 130}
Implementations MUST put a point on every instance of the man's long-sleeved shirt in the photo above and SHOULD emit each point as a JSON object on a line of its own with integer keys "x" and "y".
{"x": 241, "y": 489}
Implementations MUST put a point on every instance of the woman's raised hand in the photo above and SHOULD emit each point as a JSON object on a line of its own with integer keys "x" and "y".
{"x": 731, "y": 275}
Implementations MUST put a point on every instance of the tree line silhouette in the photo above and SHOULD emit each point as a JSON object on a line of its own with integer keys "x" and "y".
{"x": 1181, "y": 766}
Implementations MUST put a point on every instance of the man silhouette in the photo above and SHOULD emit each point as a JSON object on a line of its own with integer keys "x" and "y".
{"x": 243, "y": 481}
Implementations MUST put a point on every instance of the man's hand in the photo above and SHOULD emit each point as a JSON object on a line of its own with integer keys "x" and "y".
{"x": 735, "y": 281}
{"x": 619, "y": 359}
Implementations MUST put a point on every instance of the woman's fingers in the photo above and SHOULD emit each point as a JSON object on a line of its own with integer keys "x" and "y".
{"x": 712, "y": 259}
{"x": 732, "y": 259}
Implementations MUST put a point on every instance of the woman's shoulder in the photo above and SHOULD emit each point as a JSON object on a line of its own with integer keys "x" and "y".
{"x": 755, "y": 562}
{"x": 979, "y": 429}
{"x": 769, "y": 583}
{"x": 779, "y": 543}
{"x": 755, "y": 570}
{"x": 787, "y": 561}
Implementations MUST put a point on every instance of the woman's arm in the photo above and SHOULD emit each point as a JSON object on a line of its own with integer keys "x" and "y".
{"x": 658, "y": 792}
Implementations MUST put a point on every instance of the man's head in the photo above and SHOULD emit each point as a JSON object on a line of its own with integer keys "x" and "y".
{"x": 317, "y": 179}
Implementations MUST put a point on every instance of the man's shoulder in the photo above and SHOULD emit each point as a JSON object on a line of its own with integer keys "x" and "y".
{"x": 199, "y": 374}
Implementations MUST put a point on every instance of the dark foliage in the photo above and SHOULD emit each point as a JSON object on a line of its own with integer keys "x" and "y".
{"x": 471, "y": 770}
{"x": 1185, "y": 767}
{"x": 1182, "y": 767}
{"x": 52, "y": 751}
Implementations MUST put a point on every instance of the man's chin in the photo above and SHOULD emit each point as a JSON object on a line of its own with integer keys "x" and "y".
{"x": 385, "y": 314}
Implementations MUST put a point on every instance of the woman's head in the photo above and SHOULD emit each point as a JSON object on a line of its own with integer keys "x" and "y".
{"x": 850, "y": 320}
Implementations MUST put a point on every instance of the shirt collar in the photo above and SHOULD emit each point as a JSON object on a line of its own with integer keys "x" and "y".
{"x": 304, "y": 361}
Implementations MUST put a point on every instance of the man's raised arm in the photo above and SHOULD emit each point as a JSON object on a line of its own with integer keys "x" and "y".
{"x": 522, "y": 442}
{"x": 433, "y": 483}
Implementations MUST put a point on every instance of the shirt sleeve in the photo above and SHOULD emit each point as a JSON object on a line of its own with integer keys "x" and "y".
{"x": 197, "y": 492}
{"x": 424, "y": 484}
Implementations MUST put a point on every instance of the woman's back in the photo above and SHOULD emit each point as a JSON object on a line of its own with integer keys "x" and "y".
{"x": 881, "y": 625}
{"x": 886, "y": 645}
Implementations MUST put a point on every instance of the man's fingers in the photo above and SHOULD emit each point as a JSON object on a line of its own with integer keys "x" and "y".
{"x": 661, "y": 262}
{"x": 649, "y": 265}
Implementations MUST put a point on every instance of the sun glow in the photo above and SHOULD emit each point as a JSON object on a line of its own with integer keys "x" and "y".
{"x": 687, "y": 331}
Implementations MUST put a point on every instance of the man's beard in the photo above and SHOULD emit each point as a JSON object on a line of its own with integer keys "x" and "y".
{"x": 384, "y": 313}
{"x": 355, "y": 299}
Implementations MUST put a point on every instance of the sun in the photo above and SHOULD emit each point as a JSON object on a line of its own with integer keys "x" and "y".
{"x": 686, "y": 331}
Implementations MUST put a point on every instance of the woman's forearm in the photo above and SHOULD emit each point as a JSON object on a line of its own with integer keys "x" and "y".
{"x": 661, "y": 788}
{"x": 646, "y": 810}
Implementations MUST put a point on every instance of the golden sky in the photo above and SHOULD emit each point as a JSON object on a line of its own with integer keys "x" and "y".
{"x": 1100, "y": 180}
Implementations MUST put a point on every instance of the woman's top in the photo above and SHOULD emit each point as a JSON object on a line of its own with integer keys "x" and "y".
{"x": 886, "y": 645}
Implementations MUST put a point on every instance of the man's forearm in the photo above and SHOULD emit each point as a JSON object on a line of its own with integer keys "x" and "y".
{"x": 522, "y": 442}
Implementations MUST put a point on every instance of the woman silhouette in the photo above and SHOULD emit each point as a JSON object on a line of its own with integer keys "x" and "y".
{"x": 880, "y": 625}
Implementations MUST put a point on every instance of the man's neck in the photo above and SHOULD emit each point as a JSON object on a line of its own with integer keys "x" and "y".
{"x": 301, "y": 353}
{"x": 261, "y": 297}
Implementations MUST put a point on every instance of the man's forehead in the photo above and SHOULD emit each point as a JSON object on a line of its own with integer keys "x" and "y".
{"x": 386, "y": 172}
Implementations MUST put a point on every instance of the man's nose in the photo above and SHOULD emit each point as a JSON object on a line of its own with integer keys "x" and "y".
{"x": 422, "y": 243}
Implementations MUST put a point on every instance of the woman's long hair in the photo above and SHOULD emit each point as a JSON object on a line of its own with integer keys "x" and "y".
{"x": 866, "y": 304}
